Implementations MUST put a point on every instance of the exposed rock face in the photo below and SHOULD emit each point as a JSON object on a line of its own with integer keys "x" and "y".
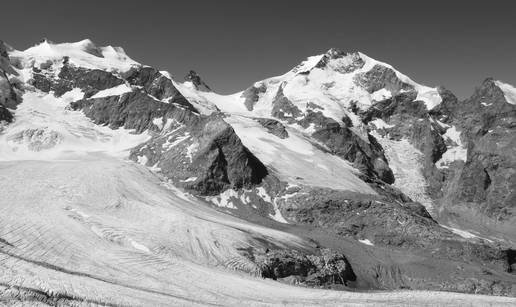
{"x": 380, "y": 77}
{"x": 274, "y": 127}
{"x": 252, "y": 94}
{"x": 486, "y": 184}
{"x": 367, "y": 156}
{"x": 134, "y": 110}
{"x": 327, "y": 269}
{"x": 5, "y": 115}
{"x": 354, "y": 60}
{"x": 9, "y": 94}
{"x": 409, "y": 119}
{"x": 90, "y": 81}
{"x": 157, "y": 85}
{"x": 206, "y": 156}
{"x": 283, "y": 108}
{"x": 196, "y": 80}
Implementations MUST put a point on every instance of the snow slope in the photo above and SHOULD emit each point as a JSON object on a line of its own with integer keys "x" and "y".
{"x": 103, "y": 231}
{"x": 45, "y": 129}
{"x": 295, "y": 159}
{"x": 83, "y": 53}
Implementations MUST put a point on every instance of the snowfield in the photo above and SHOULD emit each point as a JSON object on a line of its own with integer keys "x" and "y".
{"x": 99, "y": 230}
{"x": 292, "y": 157}
{"x": 45, "y": 129}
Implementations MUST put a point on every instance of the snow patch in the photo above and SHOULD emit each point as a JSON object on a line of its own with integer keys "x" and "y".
{"x": 508, "y": 90}
{"x": 190, "y": 179}
{"x": 455, "y": 151}
{"x": 366, "y": 242}
{"x": 191, "y": 150}
{"x": 114, "y": 91}
{"x": 223, "y": 200}
{"x": 381, "y": 94}
{"x": 380, "y": 124}
{"x": 465, "y": 234}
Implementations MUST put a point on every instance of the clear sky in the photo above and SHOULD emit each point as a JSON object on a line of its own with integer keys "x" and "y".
{"x": 232, "y": 44}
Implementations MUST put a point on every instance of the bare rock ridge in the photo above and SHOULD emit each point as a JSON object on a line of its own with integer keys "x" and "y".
{"x": 196, "y": 80}
{"x": 418, "y": 171}
{"x": 9, "y": 86}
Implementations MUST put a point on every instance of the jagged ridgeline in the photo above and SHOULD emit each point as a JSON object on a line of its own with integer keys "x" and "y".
{"x": 341, "y": 173}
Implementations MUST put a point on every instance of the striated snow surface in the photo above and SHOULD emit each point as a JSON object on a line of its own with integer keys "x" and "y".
{"x": 103, "y": 231}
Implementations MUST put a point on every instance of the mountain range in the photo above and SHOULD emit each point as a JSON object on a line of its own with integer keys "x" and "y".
{"x": 124, "y": 185}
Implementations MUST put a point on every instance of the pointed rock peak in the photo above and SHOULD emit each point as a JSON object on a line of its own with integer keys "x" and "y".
{"x": 3, "y": 50}
{"x": 197, "y": 82}
{"x": 45, "y": 40}
{"x": 488, "y": 93}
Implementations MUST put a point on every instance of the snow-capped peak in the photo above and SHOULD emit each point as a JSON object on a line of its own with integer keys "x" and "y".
{"x": 83, "y": 53}
{"x": 508, "y": 90}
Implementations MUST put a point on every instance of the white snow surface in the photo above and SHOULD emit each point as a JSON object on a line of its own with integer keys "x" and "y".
{"x": 45, "y": 129}
{"x": 114, "y": 91}
{"x": 455, "y": 151}
{"x": 366, "y": 242}
{"x": 83, "y": 53}
{"x": 295, "y": 159}
{"x": 508, "y": 90}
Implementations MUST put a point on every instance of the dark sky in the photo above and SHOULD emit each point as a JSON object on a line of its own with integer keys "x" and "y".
{"x": 231, "y": 44}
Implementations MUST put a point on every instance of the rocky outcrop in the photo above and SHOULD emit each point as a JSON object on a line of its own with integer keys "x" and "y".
{"x": 409, "y": 119}
{"x": 197, "y": 82}
{"x": 274, "y": 127}
{"x": 252, "y": 94}
{"x": 367, "y": 156}
{"x": 5, "y": 115}
{"x": 10, "y": 95}
{"x": 325, "y": 269}
{"x": 382, "y": 77}
{"x": 90, "y": 81}
{"x": 485, "y": 185}
{"x": 157, "y": 85}
{"x": 204, "y": 155}
{"x": 283, "y": 108}
{"x": 353, "y": 61}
